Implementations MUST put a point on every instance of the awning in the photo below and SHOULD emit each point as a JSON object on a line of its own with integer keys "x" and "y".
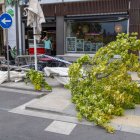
{"x": 48, "y": 19}
{"x": 103, "y": 17}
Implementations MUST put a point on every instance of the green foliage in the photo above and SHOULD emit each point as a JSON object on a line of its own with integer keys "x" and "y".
{"x": 10, "y": 12}
{"x": 37, "y": 79}
{"x": 11, "y": 2}
{"x": 13, "y": 52}
{"x": 101, "y": 86}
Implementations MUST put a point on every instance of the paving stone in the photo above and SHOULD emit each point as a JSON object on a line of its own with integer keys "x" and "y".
{"x": 70, "y": 110}
{"x": 130, "y": 129}
{"x": 129, "y": 112}
{"x": 130, "y": 120}
{"x": 137, "y": 110}
{"x": 58, "y": 101}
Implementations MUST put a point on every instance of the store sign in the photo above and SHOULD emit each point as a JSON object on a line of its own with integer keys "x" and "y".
{"x": 1, "y": 1}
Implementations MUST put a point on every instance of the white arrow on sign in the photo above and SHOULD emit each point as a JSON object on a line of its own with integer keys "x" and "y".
{"x": 5, "y": 21}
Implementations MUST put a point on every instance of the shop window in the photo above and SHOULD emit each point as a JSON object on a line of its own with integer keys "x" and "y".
{"x": 88, "y": 37}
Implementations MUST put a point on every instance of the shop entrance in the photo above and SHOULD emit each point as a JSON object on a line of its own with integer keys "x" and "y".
{"x": 51, "y": 34}
{"x": 49, "y": 30}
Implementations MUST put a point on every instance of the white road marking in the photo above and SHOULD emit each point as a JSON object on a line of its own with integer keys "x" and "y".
{"x": 61, "y": 127}
{"x": 4, "y": 109}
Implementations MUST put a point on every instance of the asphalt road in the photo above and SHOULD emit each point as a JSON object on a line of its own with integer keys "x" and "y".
{"x": 20, "y": 127}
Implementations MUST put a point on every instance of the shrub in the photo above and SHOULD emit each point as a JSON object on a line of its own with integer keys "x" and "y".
{"x": 37, "y": 79}
{"x": 101, "y": 86}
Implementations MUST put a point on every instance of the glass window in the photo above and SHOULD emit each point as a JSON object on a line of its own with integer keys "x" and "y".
{"x": 89, "y": 36}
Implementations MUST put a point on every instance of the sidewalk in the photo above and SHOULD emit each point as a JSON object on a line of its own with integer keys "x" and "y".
{"x": 57, "y": 105}
{"x": 29, "y": 87}
{"x": 59, "y": 102}
{"x": 56, "y": 101}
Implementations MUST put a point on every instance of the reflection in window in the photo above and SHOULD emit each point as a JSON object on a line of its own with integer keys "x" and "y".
{"x": 89, "y": 36}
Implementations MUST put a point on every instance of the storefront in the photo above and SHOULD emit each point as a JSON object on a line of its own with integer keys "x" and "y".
{"x": 48, "y": 28}
{"x": 12, "y": 39}
{"x": 84, "y": 26}
{"x": 88, "y": 35}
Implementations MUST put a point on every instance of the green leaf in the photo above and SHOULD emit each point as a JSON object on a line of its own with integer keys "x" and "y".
{"x": 101, "y": 86}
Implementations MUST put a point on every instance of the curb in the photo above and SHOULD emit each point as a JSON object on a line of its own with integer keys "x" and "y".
{"x": 17, "y": 88}
{"x": 48, "y": 111}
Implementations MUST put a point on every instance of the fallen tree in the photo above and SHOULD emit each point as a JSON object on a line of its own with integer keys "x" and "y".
{"x": 101, "y": 86}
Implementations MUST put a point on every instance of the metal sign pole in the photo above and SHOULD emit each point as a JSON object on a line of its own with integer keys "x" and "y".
{"x": 8, "y": 69}
{"x": 35, "y": 46}
{"x": 5, "y": 23}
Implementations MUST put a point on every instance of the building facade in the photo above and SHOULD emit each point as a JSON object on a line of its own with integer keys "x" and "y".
{"x": 1, "y": 30}
{"x": 12, "y": 38}
{"x": 79, "y": 27}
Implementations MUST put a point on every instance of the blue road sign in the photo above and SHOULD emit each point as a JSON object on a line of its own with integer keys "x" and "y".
{"x": 5, "y": 20}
